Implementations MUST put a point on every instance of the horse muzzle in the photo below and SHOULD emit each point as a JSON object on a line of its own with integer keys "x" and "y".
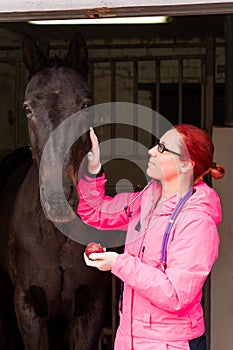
{"x": 59, "y": 206}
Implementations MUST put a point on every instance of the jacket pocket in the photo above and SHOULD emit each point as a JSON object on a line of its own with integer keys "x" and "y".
{"x": 168, "y": 331}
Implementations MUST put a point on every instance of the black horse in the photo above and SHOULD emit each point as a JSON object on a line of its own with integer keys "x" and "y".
{"x": 59, "y": 302}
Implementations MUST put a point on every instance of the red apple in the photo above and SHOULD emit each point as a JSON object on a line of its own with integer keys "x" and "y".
{"x": 93, "y": 247}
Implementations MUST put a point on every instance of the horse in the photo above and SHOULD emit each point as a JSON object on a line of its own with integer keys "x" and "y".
{"x": 58, "y": 302}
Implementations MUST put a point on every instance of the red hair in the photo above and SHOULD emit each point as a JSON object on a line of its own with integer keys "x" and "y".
{"x": 201, "y": 150}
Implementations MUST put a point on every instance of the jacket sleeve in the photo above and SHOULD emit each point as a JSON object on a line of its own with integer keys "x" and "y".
{"x": 101, "y": 211}
{"x": 191, "y": 255}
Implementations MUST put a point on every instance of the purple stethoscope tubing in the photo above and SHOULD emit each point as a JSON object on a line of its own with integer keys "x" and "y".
{"x": 183, "y": 200}
{"x": 177, "y": 209}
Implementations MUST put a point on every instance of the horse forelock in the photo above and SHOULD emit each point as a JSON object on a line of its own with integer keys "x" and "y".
{"x": 57, "y": 63}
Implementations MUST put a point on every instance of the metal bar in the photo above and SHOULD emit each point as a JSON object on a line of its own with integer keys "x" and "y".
{"x": 180, "y": 91}
{"x": 91, "y": 84}
{"x": 156, "y": 120}
{"x": 137, "y": 46}
{"x": 210, "y": 81}
{"x": 203, "y": 81}
{"x": 147, "y": 58}
{"x": 113, "y": 81}
{"x": 17, "y": 102}
{"x": 135, "y": 94}
{"x": 113, "y": 111}
{"x": 121, "y": 46}
{"x": 229, "y": 70}
{"x": 157, "y": 86}
{"x": 91, "y": 80}
{"x": 135, "y": 99}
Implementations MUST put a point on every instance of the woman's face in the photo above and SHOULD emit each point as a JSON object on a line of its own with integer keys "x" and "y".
{"x": 166, "y": 166}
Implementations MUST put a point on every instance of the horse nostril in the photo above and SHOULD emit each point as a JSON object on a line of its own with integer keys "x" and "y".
{"x": 43, "y": 194}
{"x": 42, "y": 191}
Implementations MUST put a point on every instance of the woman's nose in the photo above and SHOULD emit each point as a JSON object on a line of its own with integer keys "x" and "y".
{"x": 152, "y": 151}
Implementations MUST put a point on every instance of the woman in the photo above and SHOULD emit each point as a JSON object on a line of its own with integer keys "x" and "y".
{"x": 171, "y": 245}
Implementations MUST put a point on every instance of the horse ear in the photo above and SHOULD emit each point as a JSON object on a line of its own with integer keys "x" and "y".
{"x": 77, "y": 55}
{"x": 32, "y": 56}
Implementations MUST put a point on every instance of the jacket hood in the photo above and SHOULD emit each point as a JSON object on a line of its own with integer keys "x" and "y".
{"x": 204, "y": 199}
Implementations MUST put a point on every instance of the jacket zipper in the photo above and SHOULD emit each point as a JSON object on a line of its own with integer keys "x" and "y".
{"x": 131, "y": 321}
{"x": 140, "y": 254}
{"x": 143, "y": 249}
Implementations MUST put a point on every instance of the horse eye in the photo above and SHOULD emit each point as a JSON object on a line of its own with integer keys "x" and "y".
{"x": 28, "y": 110}
{"x": 86, "y": 105}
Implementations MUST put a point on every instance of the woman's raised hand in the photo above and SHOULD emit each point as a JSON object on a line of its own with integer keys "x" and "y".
{"x": 94, "y": 165}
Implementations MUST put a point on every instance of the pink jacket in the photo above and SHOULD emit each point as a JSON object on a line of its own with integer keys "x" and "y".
{"x": 157, "y": 304}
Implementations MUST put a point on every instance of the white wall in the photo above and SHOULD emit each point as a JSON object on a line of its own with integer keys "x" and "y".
{"x": 45, "y": 5}
{"x": 222, "y": 275}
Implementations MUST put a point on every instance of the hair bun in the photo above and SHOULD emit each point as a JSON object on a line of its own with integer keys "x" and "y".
{"x": 217, "y": 171}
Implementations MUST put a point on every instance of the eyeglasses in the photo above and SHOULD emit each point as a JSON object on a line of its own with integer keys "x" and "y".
{"x": 162, "y": 148}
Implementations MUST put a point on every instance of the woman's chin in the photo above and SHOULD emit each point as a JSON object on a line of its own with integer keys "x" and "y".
{"x": 150, "y": 173}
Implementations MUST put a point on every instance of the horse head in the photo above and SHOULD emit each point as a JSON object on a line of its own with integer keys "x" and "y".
{"x": 56, "y": 98}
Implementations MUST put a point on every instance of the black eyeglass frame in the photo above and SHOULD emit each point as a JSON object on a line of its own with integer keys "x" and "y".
{"x": 162, "y": 148}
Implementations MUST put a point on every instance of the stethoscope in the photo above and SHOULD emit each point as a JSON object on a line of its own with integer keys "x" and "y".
{"x": 177, "y": 209}
{"x": 171, "y": 221}
{"x": 129, "y": 212}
